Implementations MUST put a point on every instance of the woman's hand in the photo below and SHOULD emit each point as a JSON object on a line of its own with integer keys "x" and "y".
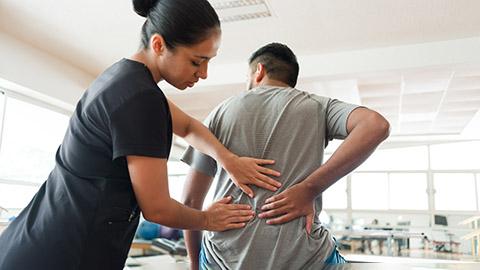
{"x": 222, "y": 215}
{"x": 246, "y": 171}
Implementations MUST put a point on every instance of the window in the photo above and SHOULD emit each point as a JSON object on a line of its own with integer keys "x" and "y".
{"x": 478, "y": 191}
{"x": 455, "y": 156}
{"x": 455, "y": 191}
{"x": 177, "y": 172}
{"x": 16, "y": 196}
{"x": 31, "y": 136}
{"x": 2, "y": 103}
{"x": 370, "y": 191}
{"x": 29, "y": 139}
{"x": 335, "y": 197}
{"x": 407, "y": 158}
{"x": 408, "y": 191}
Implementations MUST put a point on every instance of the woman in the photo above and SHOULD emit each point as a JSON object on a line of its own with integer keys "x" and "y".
{"x": 112, "y": 162}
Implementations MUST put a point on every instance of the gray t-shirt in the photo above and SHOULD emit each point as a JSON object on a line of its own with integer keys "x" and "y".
{"x": 291, "y": 127}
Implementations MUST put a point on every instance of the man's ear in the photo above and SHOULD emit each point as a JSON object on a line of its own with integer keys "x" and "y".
{"x": 259, "y": 73}
{"x": 157, "y": 44}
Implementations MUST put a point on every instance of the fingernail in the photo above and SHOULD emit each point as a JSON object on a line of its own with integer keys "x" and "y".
{"x": 268, "y": 222}
{"x": 261, "y": 215}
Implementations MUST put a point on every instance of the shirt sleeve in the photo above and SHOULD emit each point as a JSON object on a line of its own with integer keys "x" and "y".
{"x": 337, "y": 113}
{"x": 198, "y": 160}
{"x": 142, "y": 126}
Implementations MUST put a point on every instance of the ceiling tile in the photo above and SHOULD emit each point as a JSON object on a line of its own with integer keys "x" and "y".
{"x": 456, "y": 114}
{"x": 381, "y": 101}
{"x": 426, "y": 81}
{"x": 460, "y": 105}
{"x": 419, "y": 108}
{"x": 462, "y": 95}
{"x": 422, "y": 98}
{"x": 417, "y": 117}
{"x": 465, "y": 83}
{"x": 378, "y": 90}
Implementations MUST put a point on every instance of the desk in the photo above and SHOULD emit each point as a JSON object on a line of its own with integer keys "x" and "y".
{"x": 144, "y": 245}
{"x": 155, "y": 263}
{"x": 390, "y": 236}
{"x": 474, "y": 236}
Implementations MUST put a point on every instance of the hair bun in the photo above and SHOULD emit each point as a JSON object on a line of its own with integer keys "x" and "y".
{"x": 143, "y": 7}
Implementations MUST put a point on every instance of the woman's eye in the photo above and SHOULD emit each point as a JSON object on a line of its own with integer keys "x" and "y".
{"x": 195, "y": 64}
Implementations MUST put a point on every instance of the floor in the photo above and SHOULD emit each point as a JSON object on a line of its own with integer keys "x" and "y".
{"x": 428, "y": 254}
{"x": 361, "y": 262}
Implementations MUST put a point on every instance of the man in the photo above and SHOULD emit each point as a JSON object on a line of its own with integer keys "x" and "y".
{"x": 273, "y": 120}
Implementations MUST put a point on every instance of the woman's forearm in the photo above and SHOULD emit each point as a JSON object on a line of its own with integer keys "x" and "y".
{"x": 176, "y": 215}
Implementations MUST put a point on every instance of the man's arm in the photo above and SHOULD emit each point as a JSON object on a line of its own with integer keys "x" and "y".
{"x": 195, "y": 189}
{"x": 366, "y": 130}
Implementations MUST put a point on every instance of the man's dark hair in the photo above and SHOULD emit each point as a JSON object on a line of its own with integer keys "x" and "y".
{"x": 279, "y": 61}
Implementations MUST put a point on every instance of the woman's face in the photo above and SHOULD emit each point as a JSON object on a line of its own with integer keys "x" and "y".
{"x": 183, "y": 66}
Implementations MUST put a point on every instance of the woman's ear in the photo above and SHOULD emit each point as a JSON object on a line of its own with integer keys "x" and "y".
{"x": 157, "y": 44}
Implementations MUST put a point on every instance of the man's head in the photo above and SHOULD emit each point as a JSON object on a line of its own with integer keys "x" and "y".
{"x": 273, "y": 61}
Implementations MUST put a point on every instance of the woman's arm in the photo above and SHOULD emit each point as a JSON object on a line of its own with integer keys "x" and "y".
{"x": 242, "y": 170}
{"x": 150, "y": 184}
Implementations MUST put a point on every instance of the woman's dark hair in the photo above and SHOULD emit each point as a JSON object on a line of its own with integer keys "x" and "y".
{"x": 279, "y": 61}
{"x": 179, "y": 22}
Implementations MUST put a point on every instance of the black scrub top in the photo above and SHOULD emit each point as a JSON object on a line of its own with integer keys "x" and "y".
{"x": 85, "y": 215}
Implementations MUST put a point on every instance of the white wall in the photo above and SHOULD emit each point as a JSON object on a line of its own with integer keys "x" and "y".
{"x": 29, "y": 71}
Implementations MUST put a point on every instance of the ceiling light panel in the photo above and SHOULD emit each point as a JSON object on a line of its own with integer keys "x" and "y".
{"x": 240, "y": 10}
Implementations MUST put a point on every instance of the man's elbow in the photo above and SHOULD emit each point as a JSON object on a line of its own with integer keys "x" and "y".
{"x": 379, "y": 125}
{"x": 192, "y": 202}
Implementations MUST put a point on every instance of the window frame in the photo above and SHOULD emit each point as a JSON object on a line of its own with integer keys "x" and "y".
{"x": 49, "y": 104}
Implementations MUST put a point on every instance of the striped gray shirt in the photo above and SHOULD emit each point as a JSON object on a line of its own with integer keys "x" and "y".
{"x": 291, "y": 127}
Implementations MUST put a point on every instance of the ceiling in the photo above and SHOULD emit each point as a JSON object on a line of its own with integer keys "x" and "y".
{"x": 441, "y": 99}
{"x": 93, "y": 34}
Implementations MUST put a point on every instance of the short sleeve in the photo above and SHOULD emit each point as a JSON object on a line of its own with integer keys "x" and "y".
{"x": 196, "y": 159}
{"x": 337, "y": 113}
{"x": 142, "y": 126}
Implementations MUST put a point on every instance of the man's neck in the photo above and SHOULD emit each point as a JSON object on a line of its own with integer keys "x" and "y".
{"x": 270, "y": 82}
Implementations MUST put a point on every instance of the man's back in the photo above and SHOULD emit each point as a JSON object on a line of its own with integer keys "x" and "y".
{"x": 290, "y": 127}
